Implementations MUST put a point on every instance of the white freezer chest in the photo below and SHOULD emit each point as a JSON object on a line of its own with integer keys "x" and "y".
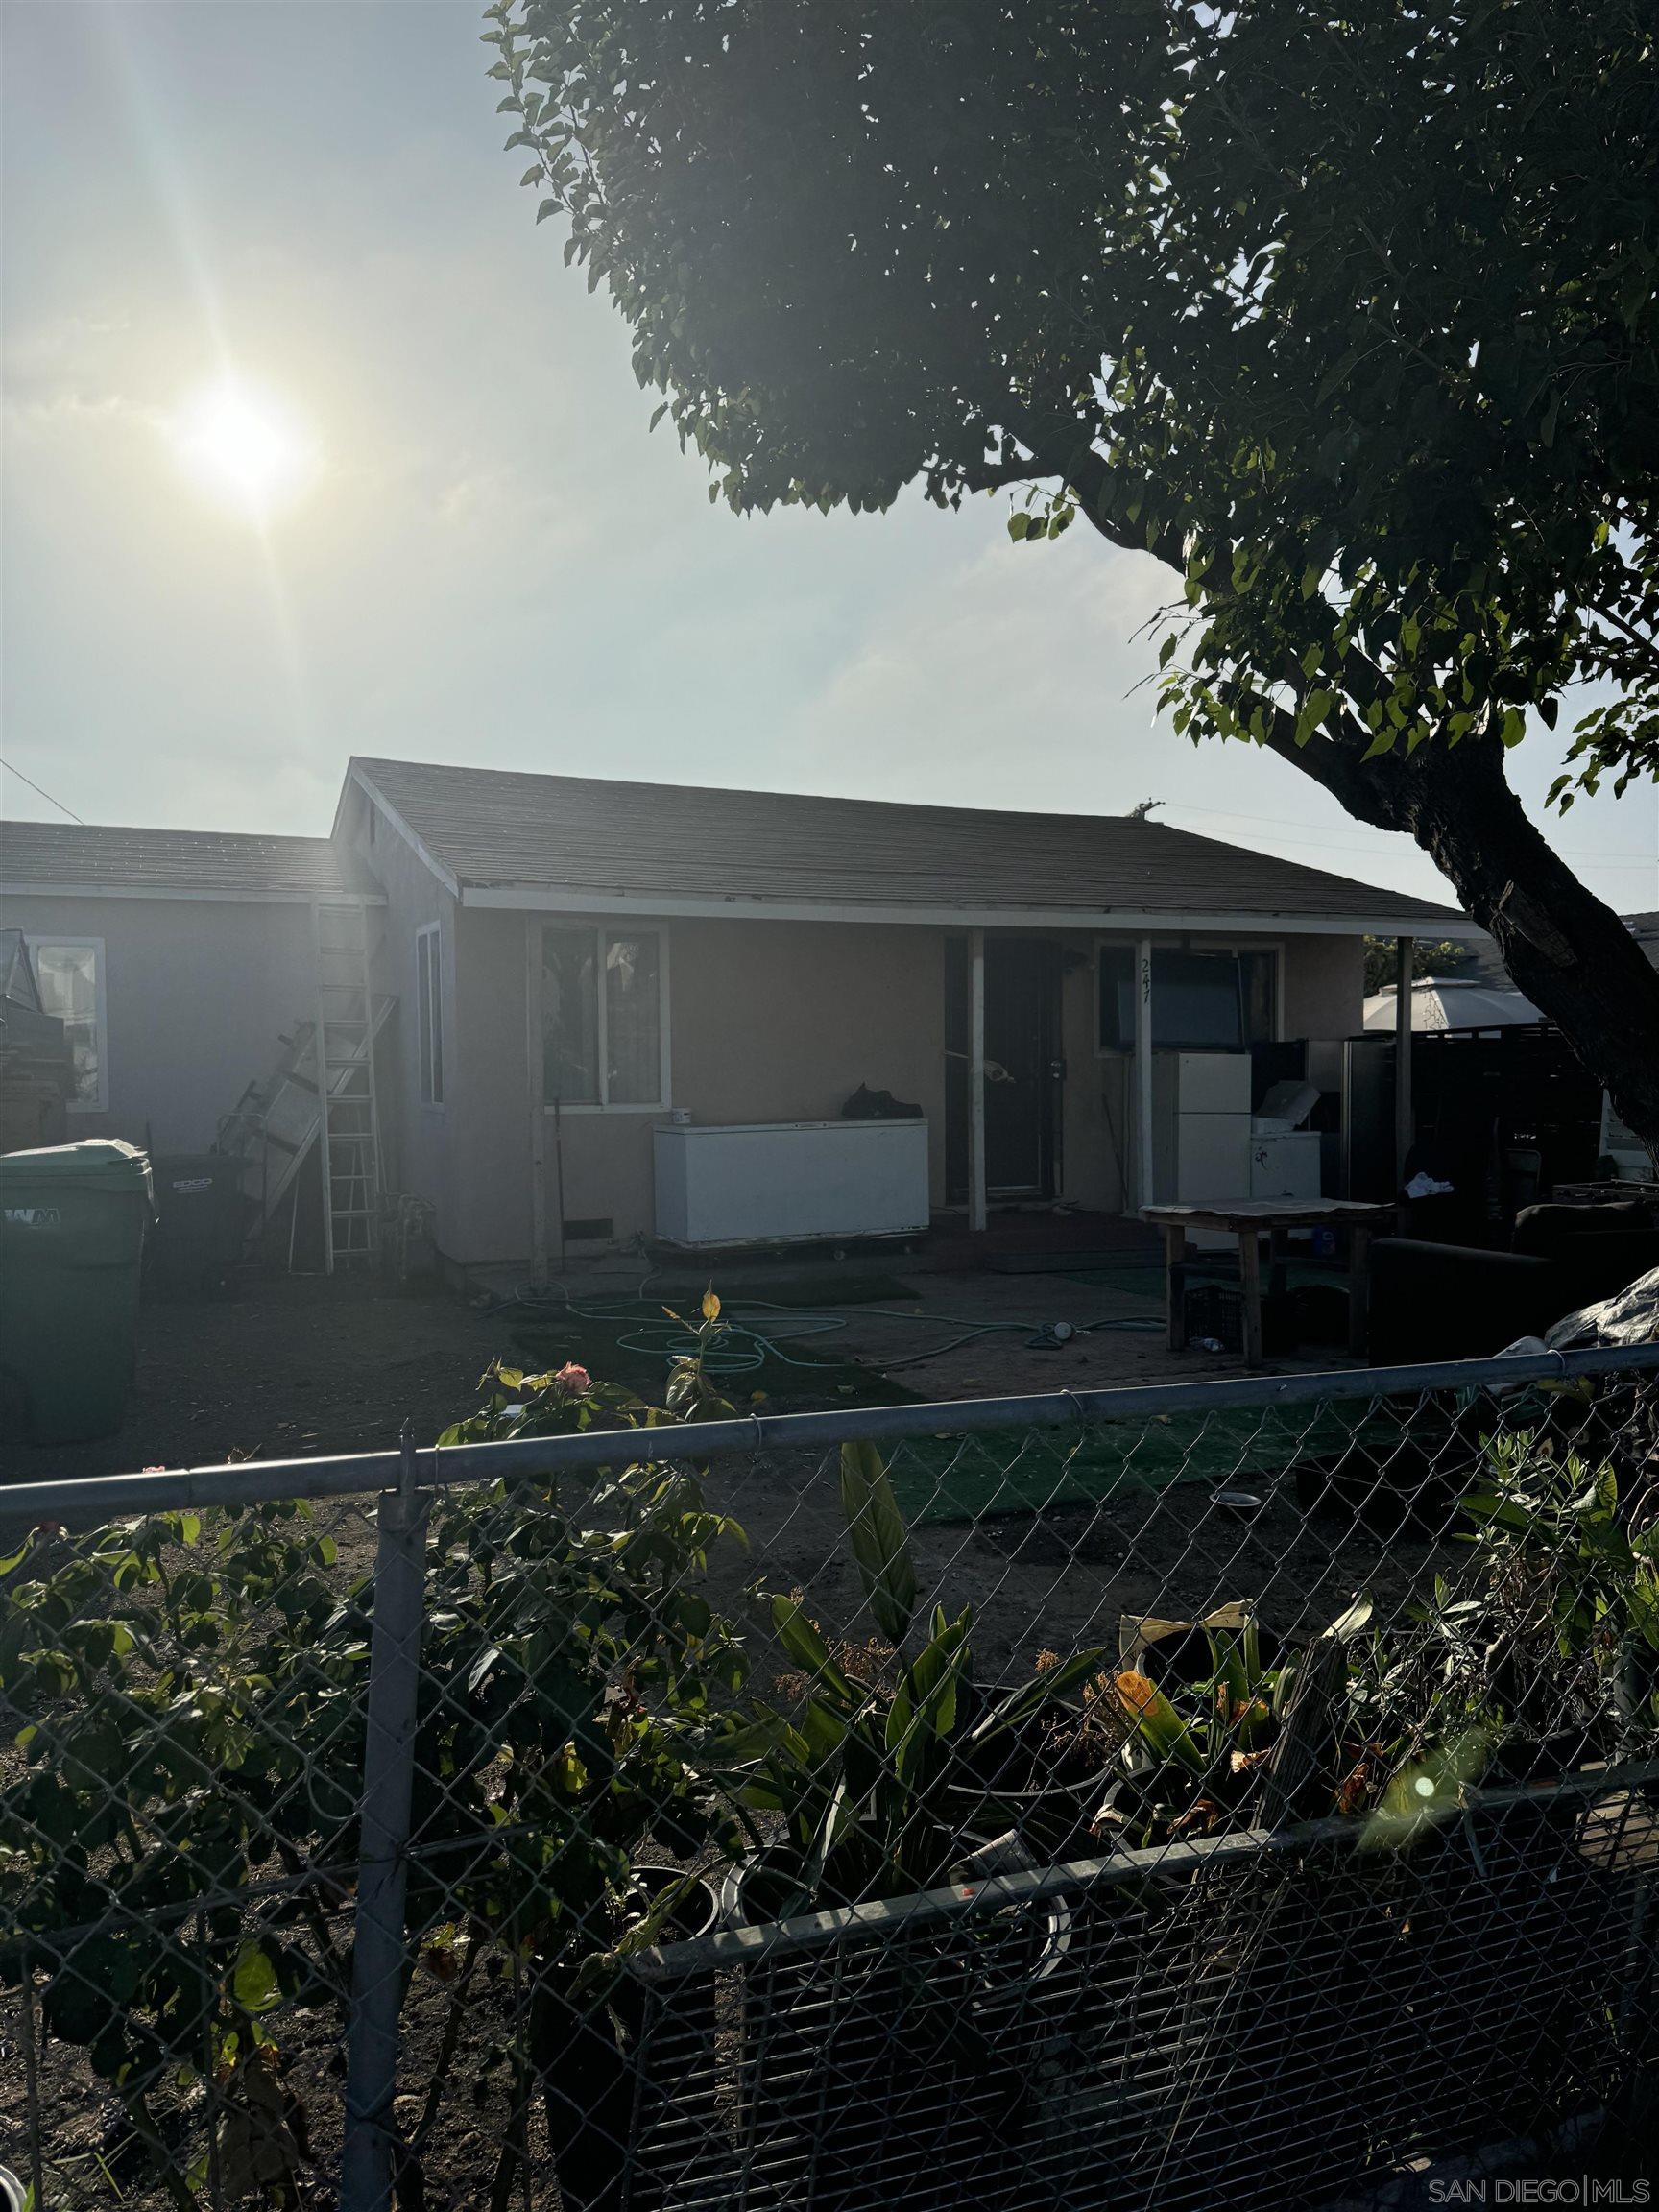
{"x": 779, "y": 1182}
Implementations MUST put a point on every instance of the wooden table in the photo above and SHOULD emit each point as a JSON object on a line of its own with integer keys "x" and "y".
{"x": 1250, "y": 1219}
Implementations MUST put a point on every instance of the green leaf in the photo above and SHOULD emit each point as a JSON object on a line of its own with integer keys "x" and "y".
{"x": 1041, "y": 1689}
{"x": 1160, "y": 1726}
{"x": 1337, "y": 374}
{"x": 805, "y": 1646}
{"x": 880, "y": 1542}
{"x": 1349, "y": 1622}
{"x": 254, "y": 1985}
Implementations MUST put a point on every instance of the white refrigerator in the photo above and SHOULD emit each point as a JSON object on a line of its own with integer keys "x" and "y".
{"x": 1200, "y": 1128}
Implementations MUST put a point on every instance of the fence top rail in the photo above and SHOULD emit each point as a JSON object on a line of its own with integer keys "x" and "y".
{"x": 1188, "y": 1856}
{"x": 90, "y": 1498}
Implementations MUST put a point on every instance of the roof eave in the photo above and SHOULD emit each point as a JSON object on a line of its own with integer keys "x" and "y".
{"x": 340, "y": 894}
{"x": 537, "y": 899}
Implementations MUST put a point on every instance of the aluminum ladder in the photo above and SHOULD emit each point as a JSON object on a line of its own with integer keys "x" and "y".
{"x": 348, "y": 1120}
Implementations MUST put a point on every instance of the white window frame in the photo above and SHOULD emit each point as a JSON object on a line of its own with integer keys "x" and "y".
{"x": 1188, "y": 942}
{"x": 429, "y": 1042}
{"x": 50, "y": 939}
{"x": 602, "y": 932}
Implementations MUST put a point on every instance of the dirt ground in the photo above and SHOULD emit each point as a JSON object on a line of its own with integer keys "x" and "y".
{"x": 296, "y": 1366}
{"x": 287, "y": 1367}
{"x": 292, "y": 1367}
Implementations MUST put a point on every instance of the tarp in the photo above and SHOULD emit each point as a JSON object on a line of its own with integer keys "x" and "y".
{"x": 1631, "y": 1316}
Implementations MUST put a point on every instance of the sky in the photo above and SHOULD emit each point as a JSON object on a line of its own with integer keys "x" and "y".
{"x": 480, "y": 555}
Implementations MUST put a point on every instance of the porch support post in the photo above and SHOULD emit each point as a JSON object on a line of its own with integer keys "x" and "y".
{"x": 1404, "y": 948}
{"x": 977, "y": 1210}
{"x": 537, "y": 1101}
{"x": 1144, "y": 1194}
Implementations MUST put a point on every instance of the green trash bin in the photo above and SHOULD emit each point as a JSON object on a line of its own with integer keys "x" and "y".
{"x": 72, "y": 1224}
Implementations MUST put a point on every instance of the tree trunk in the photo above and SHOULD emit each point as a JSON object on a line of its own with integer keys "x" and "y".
{"x": 1572, "y": 955}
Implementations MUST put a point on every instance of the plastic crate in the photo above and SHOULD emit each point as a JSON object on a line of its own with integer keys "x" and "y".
{"x": 1216, "y": 1310}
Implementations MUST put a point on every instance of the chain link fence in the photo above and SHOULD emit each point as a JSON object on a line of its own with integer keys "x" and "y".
{"x": 1146, "y": 1799}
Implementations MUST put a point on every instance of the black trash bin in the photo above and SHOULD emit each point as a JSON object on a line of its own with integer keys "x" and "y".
{"x": 200, "y": 1219}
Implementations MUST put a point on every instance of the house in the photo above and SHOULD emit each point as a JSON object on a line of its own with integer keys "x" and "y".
{"x": 176, "y": 958}
{"x": 580, "y": 964}
{"x": 598, "y": 954}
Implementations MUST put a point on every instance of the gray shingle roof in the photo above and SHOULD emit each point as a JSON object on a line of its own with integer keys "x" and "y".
{"x": 579, "y": 834}
{"x": 92, "y": 856}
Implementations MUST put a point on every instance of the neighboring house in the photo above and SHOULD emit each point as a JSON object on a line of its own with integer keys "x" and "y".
{"x": 176, "y": 958}
{"x": 36, "y": 1069}
{"x": 1460, "y": 1001}
{"x": 1480, "y": 992}
{"x": 577, "y": 962}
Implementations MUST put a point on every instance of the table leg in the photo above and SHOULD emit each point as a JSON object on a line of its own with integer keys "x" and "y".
{"x": 1176, "y": 1284}
{"x": 1359, "y": 1290}
{"x": 1278, "y": 1262}
{"x": 1250, "y": 1281}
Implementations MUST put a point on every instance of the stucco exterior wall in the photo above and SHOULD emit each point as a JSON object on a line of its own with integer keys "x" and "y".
{"x": 418, "y": 1153}
{"x": 782, "y": 1021}
{"x": 197, "y": 993}
{"x": 488, "y": 1090}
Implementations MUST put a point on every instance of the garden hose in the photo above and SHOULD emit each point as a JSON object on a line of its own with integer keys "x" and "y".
{"x": 748, "y": 1345}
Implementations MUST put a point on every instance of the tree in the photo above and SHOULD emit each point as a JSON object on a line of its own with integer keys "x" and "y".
{"x": 1344, "y": 313}
{"x": 1443, "y": 956}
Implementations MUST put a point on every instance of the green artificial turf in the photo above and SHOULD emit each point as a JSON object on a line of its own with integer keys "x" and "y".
{"x": 1209, "y": 1267}
{"x": 955, "y": 1479}
{"x": 820, "y": 1293}
{"x": 1138, "y": 1282}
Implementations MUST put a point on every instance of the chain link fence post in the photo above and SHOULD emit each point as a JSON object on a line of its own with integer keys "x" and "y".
{"x": 379, "y": 1958}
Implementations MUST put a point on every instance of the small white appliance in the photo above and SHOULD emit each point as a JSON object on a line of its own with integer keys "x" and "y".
{"x": 1284, "y": 1158}
{"x": 1285, "y": 1164}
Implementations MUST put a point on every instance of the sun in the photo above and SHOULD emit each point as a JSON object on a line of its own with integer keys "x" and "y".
{"x": 244, "y": 448}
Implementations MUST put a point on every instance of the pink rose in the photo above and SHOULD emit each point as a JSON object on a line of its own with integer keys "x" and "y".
{"x": 573, "y": 1380}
